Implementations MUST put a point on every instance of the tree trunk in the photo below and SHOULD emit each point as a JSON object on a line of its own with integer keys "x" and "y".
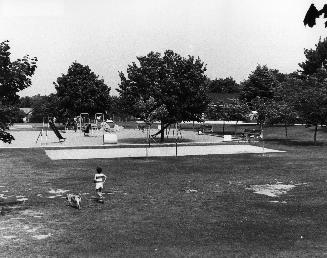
{"x": 263, "y": 141}
{"x": 162, "y": 129}
{"x": 224, "y": 128}
{"x": 235, "y": 128}
{"x": 315, "y": 135}
{"x": 162, "y": 134}
{"x": 149, "y": 135}
{"x": 286, "y": 130}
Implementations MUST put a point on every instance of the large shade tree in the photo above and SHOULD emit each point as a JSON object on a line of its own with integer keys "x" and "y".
{"x": 267, "y": 111}
{"x": 284, "y": 97}
{"x": 167, "y": 87}
{"x": 310, "y": 89}
{"x": 14, "y": 77}
{"x": 310, "y": 100}
{"x": 315, "y": 58}
{"x": 237, "y": 111}
{"x": 261, "y": 83}
{"x": 81, "y": 91}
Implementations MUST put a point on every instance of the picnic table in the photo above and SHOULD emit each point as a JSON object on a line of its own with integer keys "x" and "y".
{"x": 251, "y": 135}
{"x": 205, "y": 129}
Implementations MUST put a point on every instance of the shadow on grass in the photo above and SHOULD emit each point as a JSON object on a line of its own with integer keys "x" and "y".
{"x": 292, "y": 142}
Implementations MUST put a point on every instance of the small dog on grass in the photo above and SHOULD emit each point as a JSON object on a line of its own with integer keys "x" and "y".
{"x": 74, "y": 200}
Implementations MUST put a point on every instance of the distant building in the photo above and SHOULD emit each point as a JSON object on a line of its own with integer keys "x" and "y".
{"x": 28, "y": 114}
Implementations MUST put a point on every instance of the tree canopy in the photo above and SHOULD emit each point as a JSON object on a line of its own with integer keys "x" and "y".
{"x": 14, "y": 77}
{"x": 167, "y": 87}
{"x": 81, "y": 90}
{"x": 310, "y": 99}
{"x": 315, "y": 58}
{"x": 42, "y": 106}
{"x": 226, "y": 85}
{"x": 261, "y": 83}
{"x": 312, "y": 14}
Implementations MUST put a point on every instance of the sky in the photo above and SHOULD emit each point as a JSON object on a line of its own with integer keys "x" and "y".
{"x": 230, "y": 36}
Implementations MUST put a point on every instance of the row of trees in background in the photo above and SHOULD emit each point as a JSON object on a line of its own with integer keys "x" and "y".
{"x": 78, "y": 91}
{"x": 172, "y": 88}
{"x": 283, "y": 98}
{"x": 223, "y": 86}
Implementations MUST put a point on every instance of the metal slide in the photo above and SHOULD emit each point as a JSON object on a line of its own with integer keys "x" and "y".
{"x": 56, "y": 131}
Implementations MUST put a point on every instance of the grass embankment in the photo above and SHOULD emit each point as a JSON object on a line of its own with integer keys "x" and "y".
{"x": 171, "y": 207}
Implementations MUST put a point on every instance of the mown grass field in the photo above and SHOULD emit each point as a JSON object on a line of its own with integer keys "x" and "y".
{"x": 170, "y": 207}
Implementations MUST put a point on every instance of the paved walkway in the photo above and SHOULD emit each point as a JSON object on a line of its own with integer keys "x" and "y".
{"x": 153, "y": 152}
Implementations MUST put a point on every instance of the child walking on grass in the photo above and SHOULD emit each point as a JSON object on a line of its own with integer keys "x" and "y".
{"x": 99, "y": 179}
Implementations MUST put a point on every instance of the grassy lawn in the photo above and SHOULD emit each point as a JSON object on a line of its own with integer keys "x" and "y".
{"x": 170, "y": 207}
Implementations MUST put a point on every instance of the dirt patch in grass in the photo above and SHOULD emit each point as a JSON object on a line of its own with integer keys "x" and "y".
{"x": 273, "y": 190}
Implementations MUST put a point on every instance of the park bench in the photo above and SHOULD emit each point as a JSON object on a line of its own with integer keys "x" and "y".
{"x": 142, "y": 127}
{"x": 205, "y": 129}
{"x": 251, "y": 135}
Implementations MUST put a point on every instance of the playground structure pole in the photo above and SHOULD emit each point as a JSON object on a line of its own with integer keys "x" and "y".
{"x": 176, "y": 138}
{"x": 41, "y": 134}
{"x": 263, "y": 142}
{"x": 46, "y": 136}
{"x": 46, "y": 132}
{"x": 80, "y": 120}
{"x": 43, "y": 125}
{"x": 101, "y": 115}
{"x": 146, "y": 146}
{"x": 149, "y": 136}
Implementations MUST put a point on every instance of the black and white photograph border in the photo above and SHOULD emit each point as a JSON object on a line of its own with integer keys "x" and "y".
{"x": 166, "y": 128}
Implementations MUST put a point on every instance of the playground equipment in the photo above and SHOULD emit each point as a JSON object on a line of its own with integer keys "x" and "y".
{"x": 227, "y": 138}
{"x": 176, "y": 131}
{"x": 87, "y": 129}
{"x": 84, "y": 120}
{"x": 109, "y": 128}
{"x": 40, "y": 136}
{"x": 252, "y": 135}
{"x": 110, "y": 138}
{"x": 44, "y": 131}
{"x": 56, "y": 131}
{"x": 71, "y": 123}
{"x": 98, "y": 120}
{"x": 204, "y": 128}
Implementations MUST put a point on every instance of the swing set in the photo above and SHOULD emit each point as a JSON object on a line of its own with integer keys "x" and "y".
{"x": 50, "y": 121}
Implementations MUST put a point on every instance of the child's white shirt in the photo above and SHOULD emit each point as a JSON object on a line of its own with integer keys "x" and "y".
{"x": 99, "y": 179}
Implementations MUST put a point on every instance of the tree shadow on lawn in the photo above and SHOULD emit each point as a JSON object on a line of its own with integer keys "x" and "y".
{"x": 264, "y": 229}
{"x": 294, "y": 222}
{"x": 294, "y": 142}
{"x": 253, "y": 220}
{"x": 255, "y": 231}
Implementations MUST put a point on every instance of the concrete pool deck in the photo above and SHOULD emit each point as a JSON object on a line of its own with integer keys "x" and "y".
{"x": 111, "y": 153}
{"x": 33, "y": 139}
{"x": 131, "y": 143}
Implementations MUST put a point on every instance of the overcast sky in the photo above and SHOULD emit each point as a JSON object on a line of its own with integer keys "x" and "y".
{"x": 230, "y": 36}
